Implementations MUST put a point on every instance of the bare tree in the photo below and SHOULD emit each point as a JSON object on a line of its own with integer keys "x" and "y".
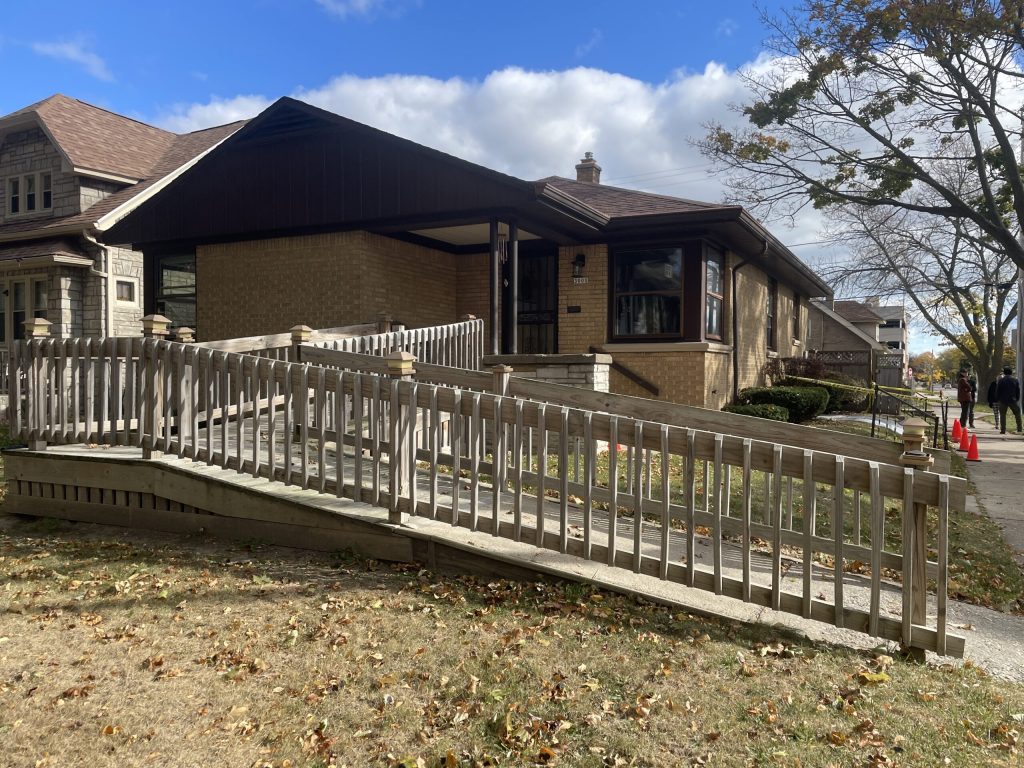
{"x": 960, "y": 286}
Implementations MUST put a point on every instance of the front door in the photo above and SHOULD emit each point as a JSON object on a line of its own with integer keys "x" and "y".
{"x": 537, "y": 331}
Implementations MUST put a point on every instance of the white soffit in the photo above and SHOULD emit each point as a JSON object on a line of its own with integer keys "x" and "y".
{"x": 467, "y": 234}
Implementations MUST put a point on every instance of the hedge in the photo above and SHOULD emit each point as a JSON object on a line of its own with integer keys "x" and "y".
{"x": 803, "y": 403}
{"x": 764, "y": 411}
{"x": 841, "y": 399}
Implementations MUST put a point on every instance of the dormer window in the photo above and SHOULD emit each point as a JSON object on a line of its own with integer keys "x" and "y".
{"x": 29, "y": 193}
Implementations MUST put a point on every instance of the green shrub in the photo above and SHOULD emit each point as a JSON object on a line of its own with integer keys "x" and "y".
{"x": 803, "y": 403}
{"x": 841, "y": 399}
{"x": 764, "y": 411}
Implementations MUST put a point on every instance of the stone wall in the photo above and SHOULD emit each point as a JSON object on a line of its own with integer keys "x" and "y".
{"x": 127, "y": 265}
{"x": 584, "y": 371}
{"x": 94, "y": 190}
{"x": 30, "y": 151}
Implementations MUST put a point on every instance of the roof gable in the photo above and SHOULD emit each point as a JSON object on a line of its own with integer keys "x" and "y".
{"x": 856, "y": 312}
{"x": 95, "y": 140}
{"x": 297, "y": 167}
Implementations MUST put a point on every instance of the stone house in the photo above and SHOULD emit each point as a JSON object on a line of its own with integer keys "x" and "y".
{"x": 306, "y": 217}
{"x": 68, "y": 170}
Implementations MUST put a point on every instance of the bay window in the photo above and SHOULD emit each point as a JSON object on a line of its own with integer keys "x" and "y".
{"x": 648, "y": 293}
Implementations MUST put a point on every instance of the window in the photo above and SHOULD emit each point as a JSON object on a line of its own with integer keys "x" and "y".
{"x": 18, "y": 309}
{"x": 174, "y": 295}
{"x": 39, "y": 298}
{"x": 796, "y": 316}
{"x": 647, "y": 293}
{"x": 892, "y": 324}
{"x": 125, "y": 290}
{"x": 29, "y": 193}
{"x": 770, "y": 311}
{"x": 713, "y": 299}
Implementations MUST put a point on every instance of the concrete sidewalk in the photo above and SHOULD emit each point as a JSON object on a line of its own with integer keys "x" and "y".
{"x": 999, "y": 481}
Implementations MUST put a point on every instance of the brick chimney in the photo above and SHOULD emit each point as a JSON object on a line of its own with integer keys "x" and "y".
{"x": 588, "y": 170}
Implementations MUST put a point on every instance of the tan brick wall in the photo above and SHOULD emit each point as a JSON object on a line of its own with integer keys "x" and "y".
{"x": 679, "y": 376}
{"x": 577, "y": 332}
{"x": 717, "y": 379}
{"x": 339, "y": 278}
{"x": 473, "y": 290}
{"x": 751, "y": 297}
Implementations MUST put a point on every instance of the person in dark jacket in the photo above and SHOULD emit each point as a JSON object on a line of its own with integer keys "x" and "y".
{"x": 993, "y": 401}
{"x": 1008, "y": 394}
{"x": 965, "y": 398}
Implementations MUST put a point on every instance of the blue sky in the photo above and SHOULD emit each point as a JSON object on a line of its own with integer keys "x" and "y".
{"x": 523, "y": 87}
{"x": 146, "y": 57}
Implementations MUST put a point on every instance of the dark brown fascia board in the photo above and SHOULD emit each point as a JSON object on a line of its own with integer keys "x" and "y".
{"x": 756, "y": 228}
{"x": 654, "y": 224}
{"x": 43, "y": 234}
{"x": 566, "y": 204}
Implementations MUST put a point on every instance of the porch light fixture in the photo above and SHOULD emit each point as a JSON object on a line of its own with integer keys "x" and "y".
{"x": 577, "y": 268}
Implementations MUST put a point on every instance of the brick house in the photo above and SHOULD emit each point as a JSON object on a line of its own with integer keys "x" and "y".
{"x": 68, "y": 170}
{"x": 304, "y": 216}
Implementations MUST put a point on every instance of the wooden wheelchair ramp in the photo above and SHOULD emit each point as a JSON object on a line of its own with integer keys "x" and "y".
{"x": 343, "y": 453}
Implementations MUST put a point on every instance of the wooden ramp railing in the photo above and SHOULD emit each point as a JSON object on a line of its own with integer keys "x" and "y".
{"x": 833, "y": 538}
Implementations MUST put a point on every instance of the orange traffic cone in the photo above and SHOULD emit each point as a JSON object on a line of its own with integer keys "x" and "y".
{"x": 965, "y": 440}
{"x": 972, "y": 455}
{"x": 956, "y": 430}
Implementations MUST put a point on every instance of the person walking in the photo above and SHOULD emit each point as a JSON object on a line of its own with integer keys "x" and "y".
{"x": 963, "y": 396}
{"x": 993, "y": 401}
{"x": 972, "y": 379}
{"x": 1008, "y": 394}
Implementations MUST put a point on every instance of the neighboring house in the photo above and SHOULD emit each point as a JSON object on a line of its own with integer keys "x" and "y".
{"x": 843, "y": 326}
{"x": 303, "y": 216}
{"x": 893, "y": 332}
{"x": 845, "y": 334}
{"x": 67, "y": 171}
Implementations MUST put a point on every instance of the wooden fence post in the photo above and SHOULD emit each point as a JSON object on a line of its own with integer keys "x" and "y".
{"x": 153, "y": 327}
{"x": 402, "y": 435}
{"x": 301, "y": 334}
{"x": 915, "y": 457}
{"x": 38, "y": 384}
{"x": 383, "y": 322}
{"x": 186, "y": 403}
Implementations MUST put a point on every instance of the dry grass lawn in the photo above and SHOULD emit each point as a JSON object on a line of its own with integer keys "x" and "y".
{"x": 125, "y": 649}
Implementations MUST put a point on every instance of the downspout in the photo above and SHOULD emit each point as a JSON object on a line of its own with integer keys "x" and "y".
{"x": 736, "y": 324}
{"x": 107, "y": 276}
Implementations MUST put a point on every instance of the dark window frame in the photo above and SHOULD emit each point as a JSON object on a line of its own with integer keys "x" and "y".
{"x": 158, "y": 295}
{"x": 14, "y": 195}
{"x": 614, "y": 295}
{"x": 796, "y": 316}
{"x": 713, "y": 254}
{"x": 771, "y": 311}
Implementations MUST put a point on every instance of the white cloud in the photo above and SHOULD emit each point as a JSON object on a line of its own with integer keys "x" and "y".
{"x": 595, "y": 39}
{"x": 534, "y": 124}
{"x": 78, "y": 53}
{"x": 726, "y": 28}
{"x": 190, "y": 117}
{"x": 348, "y": 8}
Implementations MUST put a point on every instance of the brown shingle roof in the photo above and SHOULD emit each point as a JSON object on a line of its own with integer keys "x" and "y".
{"x": 98, "y": 140}
{"x": 618, "y": 201}
{"x": 34, "y": 248}
{"x": 856, "y": 312}
{"x": 182, "y": 149}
